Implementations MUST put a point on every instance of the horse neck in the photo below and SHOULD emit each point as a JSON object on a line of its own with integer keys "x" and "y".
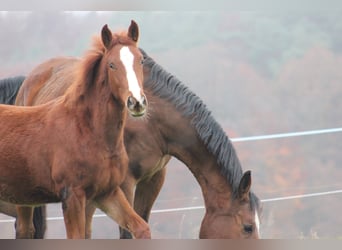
{"x": 184, "y": 143}
{"x": 217, "y": 192}
{"x": 98, "y": 112}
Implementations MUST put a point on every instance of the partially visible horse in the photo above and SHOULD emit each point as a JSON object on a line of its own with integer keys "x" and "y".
{"x": 178, "y": 124}
{"x": 71, "y": 149}
{"x": 9, "y": 88}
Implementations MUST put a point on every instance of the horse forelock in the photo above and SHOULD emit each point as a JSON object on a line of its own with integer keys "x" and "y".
{"x": 167, "y": 86}
{"x": 123, "y": 38}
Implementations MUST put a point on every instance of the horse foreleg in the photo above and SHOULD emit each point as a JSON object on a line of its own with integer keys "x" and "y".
{"x": 90, "y": 210}
{"x": 146, "y": 194}
{"x": 128, "y": 189}
{"x": 117, "y": 207}
{"x": 74, "y": 204}
{"x": 24, "y": 225}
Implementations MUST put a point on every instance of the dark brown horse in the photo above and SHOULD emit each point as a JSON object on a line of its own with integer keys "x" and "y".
{"x": 71, "y": 149}
{"x": 178, "y": 124}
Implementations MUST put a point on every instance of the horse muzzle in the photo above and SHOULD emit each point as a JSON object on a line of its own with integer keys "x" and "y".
{"x": 136, "y": 107}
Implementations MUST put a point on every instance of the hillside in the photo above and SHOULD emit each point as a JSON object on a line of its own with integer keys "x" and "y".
{"x": 259, "y": 73}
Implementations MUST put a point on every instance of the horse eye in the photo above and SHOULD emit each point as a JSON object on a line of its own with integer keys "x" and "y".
{"x": 112, "y": 65}
{"x": 248, "y": 229}
{"x": 142, "y": 60}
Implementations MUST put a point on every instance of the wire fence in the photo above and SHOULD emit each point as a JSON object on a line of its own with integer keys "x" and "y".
{"x": 243, "y": 139}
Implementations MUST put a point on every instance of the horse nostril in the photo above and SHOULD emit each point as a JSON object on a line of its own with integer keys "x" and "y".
{"x": 143, "y": 101}
{"x": 131, "y": 102}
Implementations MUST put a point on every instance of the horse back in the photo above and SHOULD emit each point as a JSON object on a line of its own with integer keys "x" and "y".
{"x": 38, "y": 88}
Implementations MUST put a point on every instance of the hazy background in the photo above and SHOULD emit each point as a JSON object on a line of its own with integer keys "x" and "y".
{"x": 258, "y": 72}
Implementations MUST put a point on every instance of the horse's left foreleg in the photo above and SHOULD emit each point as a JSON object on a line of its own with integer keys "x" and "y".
{"x": 24, "y": 225}
{"x": 127, "y": 188}
{"x": 116, "y": 206}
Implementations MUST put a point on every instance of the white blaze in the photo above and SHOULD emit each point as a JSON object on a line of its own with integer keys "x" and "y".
{"x": 257, "y": 222}
{"x": 127, "y": 60}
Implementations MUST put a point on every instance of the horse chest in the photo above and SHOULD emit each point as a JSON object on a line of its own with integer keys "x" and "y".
{"x": 103, "y": 173}
{"x": 113, "y": 170}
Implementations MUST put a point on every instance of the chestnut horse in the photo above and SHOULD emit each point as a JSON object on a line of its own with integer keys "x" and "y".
{"x": 71, "y": 149}
{"x": 178, "y": 124}
{"x": 9, "y": 88}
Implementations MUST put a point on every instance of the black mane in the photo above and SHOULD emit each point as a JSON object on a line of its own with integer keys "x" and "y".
{"x": 9, "y": 88}
{"x": 210, "y": 132}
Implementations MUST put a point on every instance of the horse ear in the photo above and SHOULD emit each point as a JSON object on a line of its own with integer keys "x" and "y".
{"x": 106, "y": 36}
{"x": 133, "y": 31}
{"x": 245, "y": 186}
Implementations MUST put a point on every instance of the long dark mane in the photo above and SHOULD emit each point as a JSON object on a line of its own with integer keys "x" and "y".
{"x": 210, "y": 132}
{"x": 9, "y": 89}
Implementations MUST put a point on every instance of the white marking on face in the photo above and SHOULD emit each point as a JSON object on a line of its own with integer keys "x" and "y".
{"x": 257, "y": 222}
{"x": 127, "y": 60}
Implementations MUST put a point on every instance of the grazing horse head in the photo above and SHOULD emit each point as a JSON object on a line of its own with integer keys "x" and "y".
{"x": 124, "y": 63}
{"x": 241, "y": 216}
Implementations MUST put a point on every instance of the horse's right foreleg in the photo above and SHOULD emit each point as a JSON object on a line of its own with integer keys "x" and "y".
{"x": 116, "y": 206}
{"x": 74, "y": 205}
{"x": 24, "y": 224}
